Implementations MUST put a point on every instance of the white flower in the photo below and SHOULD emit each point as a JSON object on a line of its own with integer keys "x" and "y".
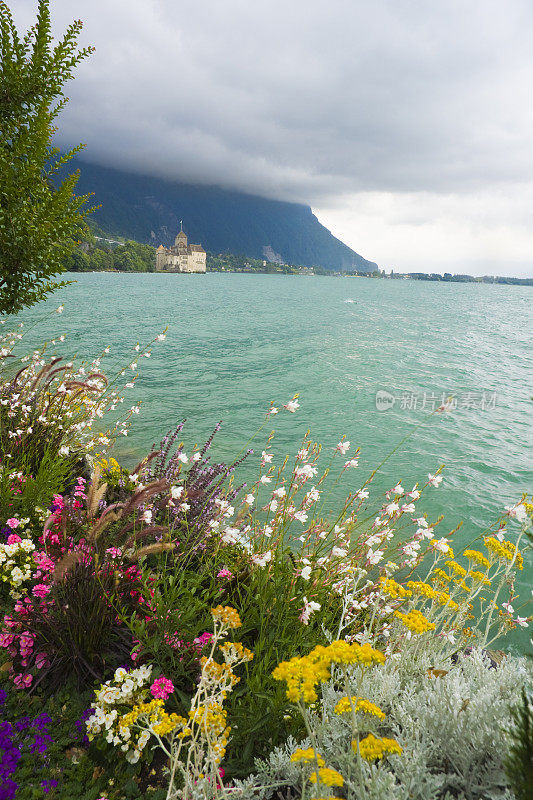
{"x": 129, "y": 385}
{"x": 262, "y": 560}
{"x": 64, "y": 450}
{"x": 305, "y": 472}
{"x": 338, "y": 552}
{"x": 137, "y": 348}
{"x": 266, "y": 457}
{"x": 292, "y": 405}
{"x": 362, "y": 494}
{"x": 421, "y": 522}
{"x": 522, "y": 621}
{"x": 434, "y": 480}
{"x": 306, "y": 573}
{"x": 408, "y": 508}
{"x": 392, "y": 508}
{"x": 517, "y": 512}
{"x": 273, "y": 410}
{"x": 280, "y": 492}
{"x": 301, "y": 516}
{"x": 273, "y": 506}
{"x": 508, "y": 607}
{"x": 264, "y": 479}
{"x": 374, "y": 556}
{"x": 183, "y": 458}
{"x": 249, "y": 499}
{"x": 196, "y": 457}
{"x": 352, "y": 463}
{"x": 60, "y": 310}
{"x": 161, "y": 337}
{"x": 309, "y": 608}
{"x": 147, "y": 516}
{"x": 184, "y": 507}
{"x": 442, "y": 545}
{"x": 398, "y": 489}
{"x": 343, "y": 447}
{"x": 176, "y": 492}
{"x": 414, "y": 494}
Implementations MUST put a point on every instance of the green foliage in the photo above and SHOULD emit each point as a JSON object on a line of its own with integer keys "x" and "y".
{"x": 40, "y": 216}
{"x": 519, "y": 763}
{"x": 99, "y": 255}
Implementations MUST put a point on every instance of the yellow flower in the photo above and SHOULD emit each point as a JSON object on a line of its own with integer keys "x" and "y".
{"x": 303, "y": 674}
{"x": 415, "y": 621}
{"x": 327, "y": 776}
{"x": 306, "y": 756}
{"x": 359, "y": 704}
{"x": 503, "y": 550}
{"x": 479, "y": 576}
{"x": 479, "y": 558}
{"x": 419, "y": 587}
{"x": 457, "y": 568}
{"x": 227, "y": 616}
{"x": 372, "y": 747}
{"x": 393, "y": 589}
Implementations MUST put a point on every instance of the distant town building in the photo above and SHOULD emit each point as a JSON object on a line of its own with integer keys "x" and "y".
{"x": 181, "y": 257}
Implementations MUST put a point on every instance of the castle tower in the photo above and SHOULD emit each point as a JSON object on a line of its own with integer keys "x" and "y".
{"x": 181, "y": 238}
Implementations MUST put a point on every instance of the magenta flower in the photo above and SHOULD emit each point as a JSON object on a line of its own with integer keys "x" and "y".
{"x": 13, "y": 538}
{"x": 13, "y": 523}
{"x": 40, "y": 590}
{"x": 225, "y": 573}
{"x": 162, "y": 688}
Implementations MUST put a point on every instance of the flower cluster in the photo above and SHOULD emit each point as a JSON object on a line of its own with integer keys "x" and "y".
{"x": 303, "y": 674}
{"x": 371, "y": 747}
{"x": 121, "y": 703}
{"x": 16, "y": 562}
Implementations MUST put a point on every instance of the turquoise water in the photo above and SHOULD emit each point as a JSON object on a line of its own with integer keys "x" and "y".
{"x": 236, "y": 342}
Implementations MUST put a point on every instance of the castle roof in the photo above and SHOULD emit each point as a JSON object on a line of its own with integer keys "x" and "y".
{"x": 161, "y": 247}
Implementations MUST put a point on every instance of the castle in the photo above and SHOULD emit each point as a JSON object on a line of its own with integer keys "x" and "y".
{"x": 182, "y": 257}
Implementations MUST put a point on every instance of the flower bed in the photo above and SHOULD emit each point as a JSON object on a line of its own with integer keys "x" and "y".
{"x": 192, "y": 639}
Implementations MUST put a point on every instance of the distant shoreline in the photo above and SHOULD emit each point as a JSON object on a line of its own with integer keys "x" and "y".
{"x": 431, "y": 278}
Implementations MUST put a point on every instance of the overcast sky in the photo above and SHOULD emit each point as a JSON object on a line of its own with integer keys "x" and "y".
{"x": 407, "y": 125}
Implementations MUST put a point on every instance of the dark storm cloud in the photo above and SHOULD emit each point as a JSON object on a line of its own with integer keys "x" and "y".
{"x": 306, "y": 99}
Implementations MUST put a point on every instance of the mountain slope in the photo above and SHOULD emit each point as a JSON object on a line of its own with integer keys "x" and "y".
{"x": 150, "y": 209}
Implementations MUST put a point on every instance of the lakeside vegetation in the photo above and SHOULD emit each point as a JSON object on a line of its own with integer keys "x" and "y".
{"x": 167, "y": 634}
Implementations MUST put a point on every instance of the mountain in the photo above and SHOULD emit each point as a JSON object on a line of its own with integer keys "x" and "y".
{"x": 149, "y": 210}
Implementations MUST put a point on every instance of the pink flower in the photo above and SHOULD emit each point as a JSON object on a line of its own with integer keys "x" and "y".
{"x": 6, "y": 639}
{"x": 162, "y": 688}
{"x": 13, "y": 538}
{"x": 202, "y": 640}
{"x": 40, "y": 590}
{"x": 13, "y": 523}
{"x": 41, "y": 660}
{"x": 23, "y": 680}
{"x": 225, "y": 573}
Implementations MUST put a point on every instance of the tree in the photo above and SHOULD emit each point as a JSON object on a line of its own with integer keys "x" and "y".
{"x": 41, "y": 218}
